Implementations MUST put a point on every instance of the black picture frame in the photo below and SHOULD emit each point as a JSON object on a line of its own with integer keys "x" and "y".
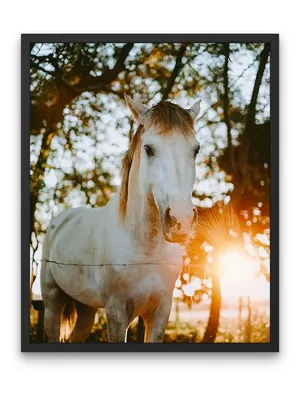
{"x": 273, "y": 345}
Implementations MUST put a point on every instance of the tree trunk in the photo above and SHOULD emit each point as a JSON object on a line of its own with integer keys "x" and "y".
{"x": 213, "y": 321}
{"x": 38, "y": 175}
{"x": 241, "y": 176}
{"x": 251, "y": 112}
{"x": 231, "y": 162}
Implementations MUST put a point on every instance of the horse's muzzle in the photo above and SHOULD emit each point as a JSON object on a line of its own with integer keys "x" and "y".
{"x": 177, "y": 238}
{"x": 176, "y": 231}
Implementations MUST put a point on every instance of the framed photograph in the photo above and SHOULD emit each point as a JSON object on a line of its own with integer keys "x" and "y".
{"x": 150, "y": 191}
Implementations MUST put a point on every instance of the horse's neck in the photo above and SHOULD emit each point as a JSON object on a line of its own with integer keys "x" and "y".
{"x": 142, "y": 216}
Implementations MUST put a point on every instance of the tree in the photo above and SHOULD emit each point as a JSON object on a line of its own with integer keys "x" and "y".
{"x": 238, "y": 164}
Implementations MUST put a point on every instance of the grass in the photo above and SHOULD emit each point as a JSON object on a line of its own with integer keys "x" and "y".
{"x": 229, "y": 331}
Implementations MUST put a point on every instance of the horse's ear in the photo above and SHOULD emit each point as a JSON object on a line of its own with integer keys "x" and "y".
{"x": 194, "y": 110}
{"x": 137, "y": 109}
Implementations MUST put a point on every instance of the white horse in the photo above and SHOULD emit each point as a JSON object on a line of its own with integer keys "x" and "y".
{"x": 125, "y": 257}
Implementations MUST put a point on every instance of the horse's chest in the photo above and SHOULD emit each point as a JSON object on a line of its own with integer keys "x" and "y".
{"x": 144, "y": 284}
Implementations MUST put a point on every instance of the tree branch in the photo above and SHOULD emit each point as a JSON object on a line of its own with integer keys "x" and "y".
{"x": 226, "y": 107}
{"x": 96, "y": 84}
{"x": 44, "y": 115}
{"x": 175, "y": 72}
{"x": 251, "y": 112}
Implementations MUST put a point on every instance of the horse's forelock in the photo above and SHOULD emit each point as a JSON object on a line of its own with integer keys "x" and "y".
{"x": 168, "y": 117}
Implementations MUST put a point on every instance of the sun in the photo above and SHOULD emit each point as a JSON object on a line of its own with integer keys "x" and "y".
{"x": 237, "y": 273}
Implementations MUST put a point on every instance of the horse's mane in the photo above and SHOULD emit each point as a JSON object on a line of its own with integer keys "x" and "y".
{"x": 166, "y": 117}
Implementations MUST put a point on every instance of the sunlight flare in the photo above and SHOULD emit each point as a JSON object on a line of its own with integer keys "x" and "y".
{"x": 237, "y": 273}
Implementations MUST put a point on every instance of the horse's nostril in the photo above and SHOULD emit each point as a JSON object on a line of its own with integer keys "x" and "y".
{"x": 169, "y": 220}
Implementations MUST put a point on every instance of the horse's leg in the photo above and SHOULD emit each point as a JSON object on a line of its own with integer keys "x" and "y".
{"x": 116, "y": 326}
{"x": 84, "y": 323}
{"x": 156, "y": 322}
{"x": 54, "y": 303}
{"x": 118, "y": 315}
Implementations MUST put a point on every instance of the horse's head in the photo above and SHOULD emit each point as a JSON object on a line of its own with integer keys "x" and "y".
{"x": 168, "y": 150}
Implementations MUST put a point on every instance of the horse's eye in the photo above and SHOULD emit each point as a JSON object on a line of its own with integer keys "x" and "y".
{"x": 149, "y": 150}
{"x": 196, "y": 151}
